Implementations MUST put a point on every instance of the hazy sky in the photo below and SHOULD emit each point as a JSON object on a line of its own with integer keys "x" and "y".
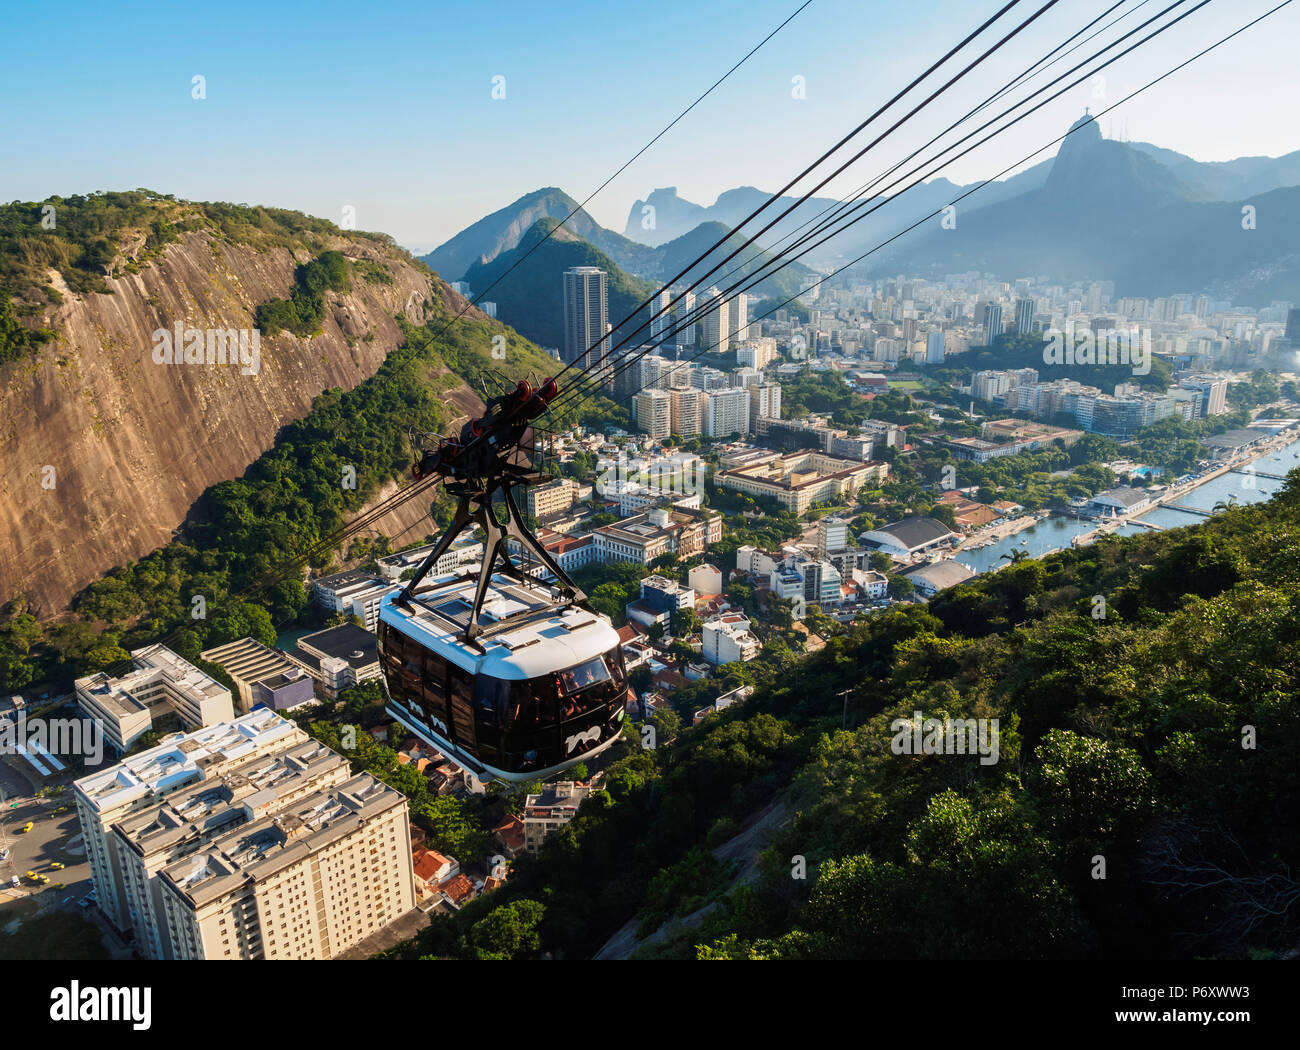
{"x": 388, "y": 107}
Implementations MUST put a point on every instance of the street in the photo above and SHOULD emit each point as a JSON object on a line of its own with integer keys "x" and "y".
{"x": 46, "y": 844}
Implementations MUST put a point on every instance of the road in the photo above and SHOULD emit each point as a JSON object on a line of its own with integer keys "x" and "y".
{"x": 38, "y": 849}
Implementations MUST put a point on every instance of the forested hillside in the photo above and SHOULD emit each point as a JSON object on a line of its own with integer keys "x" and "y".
{"x": 1144, "y": 800}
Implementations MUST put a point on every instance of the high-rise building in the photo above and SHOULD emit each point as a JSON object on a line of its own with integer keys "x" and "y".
{"x": 660, "y": 324}
{"x": 739, "y": 309}
{"x": 586, "y": 315}
{"x": 190, "y": 820}
{"x": 934, "y": 346}
{"x": 685, "y": 311}
{"x": 764, "y": 401}
{"x": 714, "y": 320}
{"x": 687, "y": 412}
{"x": 654, "y": 413}
{"x": 308, "y": 881}
{"x": 1024, "y": 316}
{"x": 1213, "y": 390}
{"x": 992, "y": 322}
{"x": 727, "y": 412}
{"x": 758, "y": 354}
{"x": 1293, "y": 328}
{"x": 141, "y": 781}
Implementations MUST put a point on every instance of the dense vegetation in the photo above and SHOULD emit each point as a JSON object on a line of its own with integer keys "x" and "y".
{"x": 304, "y": 310}
{"x": 1149, "y": 732}
{"x": 87, "y": 238}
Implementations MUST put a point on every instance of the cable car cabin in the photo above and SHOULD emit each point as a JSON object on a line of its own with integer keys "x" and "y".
{"x": 541, "y": 690}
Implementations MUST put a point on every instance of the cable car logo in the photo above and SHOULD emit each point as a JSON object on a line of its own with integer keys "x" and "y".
{"x": 592, "y": 735}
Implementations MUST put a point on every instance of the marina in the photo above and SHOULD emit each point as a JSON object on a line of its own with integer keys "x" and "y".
{"x": 1240, "y": 482}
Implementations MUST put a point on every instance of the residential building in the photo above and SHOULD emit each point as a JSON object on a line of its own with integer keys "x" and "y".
{"x": 160, "y": 684}
{"x": 654, "y": 413}
{"x": 307, "y": 882}
{"x": 764, "y": 400}
{"x": 687, "y": 410}
{"x": 727, "y": 412}
{"x": 713, "y": 318}
{"x": 552, "y": 808}
{"x": 729, "y": 639}
{"x": 185, "y": 822}
{"x": 706, "y": 579}
{"x": 552, "y": 497}
{"x": 140, "y": 781}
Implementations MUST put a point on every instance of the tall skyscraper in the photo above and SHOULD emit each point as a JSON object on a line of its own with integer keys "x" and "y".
{"x": 934, "y": 347}
{"x": 714, "y": 321}
{"x": 739, "y": 309}
{"x": 660, "y": 324}
{"x": 586, "y": 315}
{"x": 992, "y": 322}
{"x": 1024, "y": 316}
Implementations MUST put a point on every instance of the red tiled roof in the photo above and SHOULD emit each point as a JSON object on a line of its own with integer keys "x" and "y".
{"x": 428, "y": 863}
{"x": 458, "y": 888}
{"x": 511, "y": 833}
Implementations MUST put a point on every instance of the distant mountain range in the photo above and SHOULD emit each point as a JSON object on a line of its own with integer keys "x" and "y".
{"x": 1152, "y": 220}
{"x": 521, "y": 272}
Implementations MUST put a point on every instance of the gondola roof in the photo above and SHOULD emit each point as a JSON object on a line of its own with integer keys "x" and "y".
{"x": 528, "y": 635}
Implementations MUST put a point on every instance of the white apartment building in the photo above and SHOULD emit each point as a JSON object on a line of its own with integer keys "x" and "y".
{"x": 728, "y": 639}
{"x": 705, "y": 579}
{"x": 189, "y": 820}
{"x": 160, "y": 683}
{"x": 714, "y": 320}
{"x": 307, "y": 882}
{"x": 758, "y": 353}
{"x": 727, "y": 412}
{"x": 141, "y": 781}
{"x": 764, "y": 401}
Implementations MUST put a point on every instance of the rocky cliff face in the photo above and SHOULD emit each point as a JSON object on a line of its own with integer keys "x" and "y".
{"x": 104, "y": 450}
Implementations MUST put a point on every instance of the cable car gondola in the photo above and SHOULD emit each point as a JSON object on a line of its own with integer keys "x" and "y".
{"x": 514, "y": 678}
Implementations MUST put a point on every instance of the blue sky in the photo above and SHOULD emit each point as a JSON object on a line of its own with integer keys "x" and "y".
{"x": 388, "y": 107}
